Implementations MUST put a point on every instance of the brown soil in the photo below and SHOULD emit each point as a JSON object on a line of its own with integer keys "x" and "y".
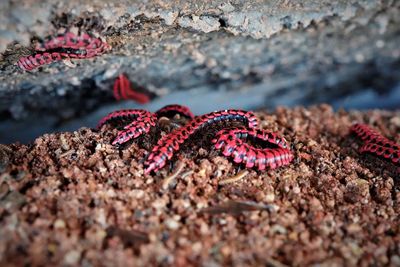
{"x": 72, "y": 198}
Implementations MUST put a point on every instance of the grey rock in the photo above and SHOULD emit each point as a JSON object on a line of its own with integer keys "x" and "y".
{"x": 228, "y": 53}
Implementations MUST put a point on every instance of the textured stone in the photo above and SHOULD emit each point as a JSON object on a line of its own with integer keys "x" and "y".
{"x": 247, "y": 54}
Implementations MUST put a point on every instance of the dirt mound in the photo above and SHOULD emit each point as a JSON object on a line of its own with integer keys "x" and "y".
{"x": 72, "y": 198}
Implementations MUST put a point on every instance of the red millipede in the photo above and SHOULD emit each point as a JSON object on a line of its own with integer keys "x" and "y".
{"x": 169, "y": 144}
{"x": 142, "y": 122}
{"x": 230, "y": 141}
{"x": 67, "y": 45}
{"x": 377, "y": 144}
{"x": 171, "y": 110}
{"x": 123, "y": 90}
{"x": 232, "y": 144}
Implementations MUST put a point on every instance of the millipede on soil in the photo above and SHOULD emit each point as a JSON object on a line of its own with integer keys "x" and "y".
{"x": 232, "y": 143}
{"x": 273, "y": 153}
{"x": 171, "y": 110}
{"x": 169, "y": 144}
{"x": 142, "y": 121}
{"x": 375, "y": 143}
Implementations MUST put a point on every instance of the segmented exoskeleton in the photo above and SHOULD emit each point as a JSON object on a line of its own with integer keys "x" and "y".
{"x": 233, "y": 142}
{"x": 64, "y": 46}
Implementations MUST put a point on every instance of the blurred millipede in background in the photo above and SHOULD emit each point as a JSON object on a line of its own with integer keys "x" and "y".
{"x": 375, "y": 143}
{"x": 67, "y": 45}
{"x": 123, "y": 91}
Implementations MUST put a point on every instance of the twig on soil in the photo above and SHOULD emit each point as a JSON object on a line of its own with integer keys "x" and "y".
{"x": 236, "y": 207}
{"x": 187, "y": 173}
{"x": 167, "y": 180}
{"x": 239, "y": 176}
{"x": 67, "y": 153}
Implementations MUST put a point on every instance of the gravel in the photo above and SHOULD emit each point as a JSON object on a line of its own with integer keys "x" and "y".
{"x": 72, "y": 198}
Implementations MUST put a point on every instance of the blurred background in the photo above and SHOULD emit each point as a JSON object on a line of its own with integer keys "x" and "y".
{"x": 208, "y": 56}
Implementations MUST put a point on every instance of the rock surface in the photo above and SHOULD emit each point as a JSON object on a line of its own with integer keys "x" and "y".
{"x": 280, "y": 52}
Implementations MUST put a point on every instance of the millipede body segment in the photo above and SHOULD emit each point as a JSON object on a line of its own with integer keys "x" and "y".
{"x": 375, "y": 143}
{"x": 64, "y": 46}
{"x": 171, "y": 110}
{"x": 142, "y": 121}
{"x": 232, "y": 142}
{"x": 123, "y": 90}
{"x": 169, "y": 144}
